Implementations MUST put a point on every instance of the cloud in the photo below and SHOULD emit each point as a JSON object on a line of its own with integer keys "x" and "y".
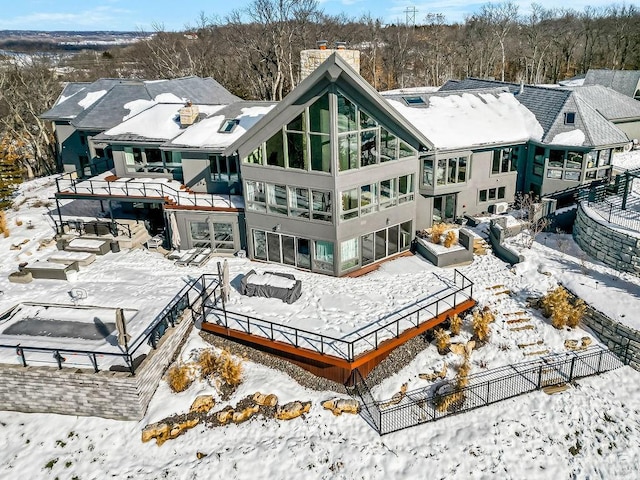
{"x": 98, "y": 18}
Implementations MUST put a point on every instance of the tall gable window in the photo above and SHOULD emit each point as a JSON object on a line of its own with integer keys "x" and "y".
{"x": 362, "y": 142}
{"x": 305, "y": 142}
{"x": 570, "y": 118}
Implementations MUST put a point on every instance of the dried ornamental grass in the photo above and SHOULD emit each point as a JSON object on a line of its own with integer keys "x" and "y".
{"x": 455, "y": 324}
{"x": 436, "y": 232}
{"x": 230, "y": 370}
{"x": 557, "y": 305}
{"x": 481, "y": 321}
{"x": 443, "y": 341}
{"x": 208, "y": 363}
{"x": 179, "y": 377}
{"x": 450, "y": 238}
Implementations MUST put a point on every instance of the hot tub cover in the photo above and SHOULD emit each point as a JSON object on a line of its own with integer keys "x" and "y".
{"x": 271, "y": 285}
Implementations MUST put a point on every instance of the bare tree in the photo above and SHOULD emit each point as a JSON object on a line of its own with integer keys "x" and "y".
{"x": 26, "y": 92}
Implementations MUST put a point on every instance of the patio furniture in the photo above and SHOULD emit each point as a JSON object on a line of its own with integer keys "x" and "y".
{"x": 271, "y": 285}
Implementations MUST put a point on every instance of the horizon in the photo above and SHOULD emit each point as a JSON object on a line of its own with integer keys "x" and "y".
{"x": 124, "y": 17}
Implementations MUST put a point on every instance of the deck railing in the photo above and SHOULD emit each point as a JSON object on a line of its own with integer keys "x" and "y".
{"x": 445, "y": 399}
{"x": 190, "y": 297}
{"x": 344, "y": 348}
{"x": 68, "y": 182}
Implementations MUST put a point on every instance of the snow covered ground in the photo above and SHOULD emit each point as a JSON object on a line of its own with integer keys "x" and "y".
{"x": 591, "y": 430}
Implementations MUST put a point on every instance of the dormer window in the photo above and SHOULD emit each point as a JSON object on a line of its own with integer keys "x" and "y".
{"x": 570, "y": 118}
{"x": 414, "y": 100}
{"x": 229, "y": 125}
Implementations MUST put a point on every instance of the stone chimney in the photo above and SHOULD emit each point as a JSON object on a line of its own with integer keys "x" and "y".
{"x": 311, "y": 59}
{"x": 189, "y": 114}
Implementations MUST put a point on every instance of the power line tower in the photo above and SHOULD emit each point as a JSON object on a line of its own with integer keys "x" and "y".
{"x": 410, "y": 16}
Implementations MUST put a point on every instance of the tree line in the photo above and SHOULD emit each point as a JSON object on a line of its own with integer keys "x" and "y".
{"x": 255, "y": 53}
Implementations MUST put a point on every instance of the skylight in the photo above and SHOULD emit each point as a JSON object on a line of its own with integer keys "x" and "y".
{"x": 228, "y": 125}
{"x": 414, "y": 100}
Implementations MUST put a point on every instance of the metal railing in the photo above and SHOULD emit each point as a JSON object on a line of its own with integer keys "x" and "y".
{"x": 94, "y": 227}
{"x": 613, "y": 213}
{"x": 189, "y": 297}
{"x": 365, "y": 340}
{"x": 445, "y": 398}
{"x": 157, "y": 190}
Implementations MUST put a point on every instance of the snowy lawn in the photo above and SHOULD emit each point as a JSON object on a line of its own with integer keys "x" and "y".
{"x": 591, "y": 430}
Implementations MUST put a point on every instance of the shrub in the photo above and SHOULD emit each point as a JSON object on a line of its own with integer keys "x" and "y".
{"x": 455, "y": 324}
{"x": 450, "y": 238}
{"x": 230, "y": 370}
{"x": 18, "y": 222}
{"x": 179, "y": 377}
{"x": 208, "y": 362}
{"x": 557, "y": 305}
{"x": 481, "y": 321}
{"x": 436, "y": 232}
{"x": 3, "y": 224}
{"x": 443, "y": 341}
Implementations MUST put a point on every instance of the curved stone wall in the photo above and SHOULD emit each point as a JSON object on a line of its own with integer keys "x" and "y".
{"x": 612, "y": 247}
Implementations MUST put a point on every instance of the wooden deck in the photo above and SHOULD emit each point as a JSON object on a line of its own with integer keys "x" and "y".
{"x": 330, "y": 366}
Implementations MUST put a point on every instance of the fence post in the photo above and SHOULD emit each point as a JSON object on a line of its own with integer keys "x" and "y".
{"x": 573, "y": 362}
{"x": 539, "y": 377}
{"x": 600, "y": 360}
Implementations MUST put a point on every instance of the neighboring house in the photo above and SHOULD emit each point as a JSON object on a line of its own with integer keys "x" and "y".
{"x": 578, "y": 139}
{"x": 626, "y": 82}
{"x": 84, "y": 110}
{"x": 478, "y": 137}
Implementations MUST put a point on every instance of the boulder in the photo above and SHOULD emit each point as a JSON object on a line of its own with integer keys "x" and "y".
{"x": 269, "y": 400}
{"x": 202, "y": 404}
{"x": 246, "y": 414}
{"x": 163, "y": 431}
{"x": 338, "y": 406}
{"x": 292, "y": 410}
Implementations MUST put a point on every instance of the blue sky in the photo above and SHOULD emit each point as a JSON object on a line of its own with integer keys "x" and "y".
{"x": 175, "y": 14}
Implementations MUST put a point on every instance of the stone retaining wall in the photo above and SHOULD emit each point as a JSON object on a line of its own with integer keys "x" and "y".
{"x": 614, "y": 334}
{"x": 612, "y": 247}
{"x": 116, "y": 395}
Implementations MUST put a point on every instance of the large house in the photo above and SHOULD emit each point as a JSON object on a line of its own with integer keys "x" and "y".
{"x": 336, "y": 176}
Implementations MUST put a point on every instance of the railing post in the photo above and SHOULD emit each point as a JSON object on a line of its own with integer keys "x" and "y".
{"x": 539, "y": 377}
{"x": 376, "y": 337}
{"x": 296, "y": 330}
{"x": 573, "y": 361}
{"x": 271, "y": 325}
{"x": 94, "y": 361}
{"x": 599, "y": 360}
{"x": 20, "y": 353}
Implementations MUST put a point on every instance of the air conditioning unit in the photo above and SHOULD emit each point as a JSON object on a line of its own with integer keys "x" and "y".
{"x": 500, "y": 207}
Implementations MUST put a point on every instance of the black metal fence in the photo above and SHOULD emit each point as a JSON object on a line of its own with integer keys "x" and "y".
{"x": 191, "y": 297}
{"x": 348, "y": 349}
{"x": 445, "y": 398}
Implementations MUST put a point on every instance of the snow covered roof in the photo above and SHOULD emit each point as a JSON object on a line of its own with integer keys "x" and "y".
{"x": 549, "y": 105}
{"x": 470, "y": 119}
{"x": 101, "y": 105}
{"x": 158, "y": 123}
{"x": 206, "y": 133}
